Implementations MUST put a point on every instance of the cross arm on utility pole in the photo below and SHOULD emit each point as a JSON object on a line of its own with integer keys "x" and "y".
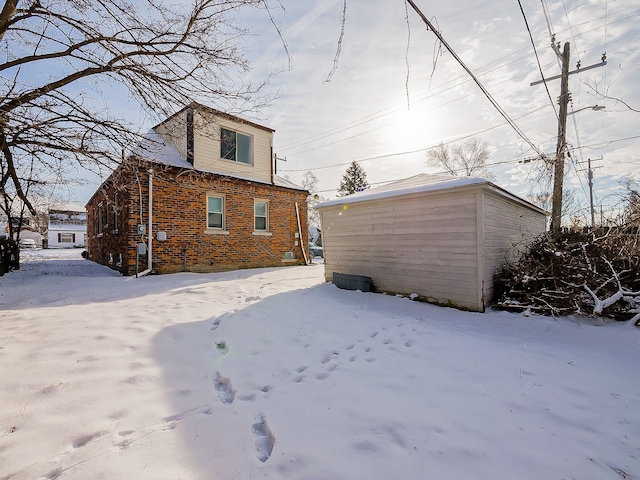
{"x": 275, "y": 162}
{"x": 558, "y": 175}
{"x": 577, "y": 70}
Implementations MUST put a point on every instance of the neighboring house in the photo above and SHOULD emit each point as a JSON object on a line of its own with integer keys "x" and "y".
{"x": 67, "y": 227}
{"x": 439, "y": 237}
{"x": 315, "y": 235}
{"x": 27, "y": 229}
{"x": 199, "y": 194}
{"x": 28, "y": 233}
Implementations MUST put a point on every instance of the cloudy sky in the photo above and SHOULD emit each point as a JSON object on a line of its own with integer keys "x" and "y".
{"x": 396, "y": 92}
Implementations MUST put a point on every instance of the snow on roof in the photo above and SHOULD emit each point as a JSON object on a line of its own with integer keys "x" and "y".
{"x": 416, "y": 184}
{"x": 154, "y": 148}
{"x": 283, "y": 182}
{"x": 66, "y": 207}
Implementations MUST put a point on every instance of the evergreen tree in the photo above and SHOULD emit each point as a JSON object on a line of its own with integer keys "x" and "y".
{"x": 354, "y": 180}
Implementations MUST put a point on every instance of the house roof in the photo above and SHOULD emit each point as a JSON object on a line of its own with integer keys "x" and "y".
{"x": 423, "y": 183}
{"x": 66, "y": 207}
{"x": 154, "y": 149}
{"x": 217, "y": 113}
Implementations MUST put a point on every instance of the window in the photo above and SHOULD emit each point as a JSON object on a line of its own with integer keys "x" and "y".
{"x": 115, "y": 212}
{"x": 261, "y": 216}
{"x": 215, "y": 212}
{"x": 235, "y": 146}
{"x": 100, "y": 219}
{"x": 66, "y": 238}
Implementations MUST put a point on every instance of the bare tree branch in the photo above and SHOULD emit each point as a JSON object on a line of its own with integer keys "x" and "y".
{"x": 61, "y": 52}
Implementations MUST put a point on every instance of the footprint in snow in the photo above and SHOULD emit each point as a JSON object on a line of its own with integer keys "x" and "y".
{"x": 265, "y": 439}
{"x": 223, "y": 386}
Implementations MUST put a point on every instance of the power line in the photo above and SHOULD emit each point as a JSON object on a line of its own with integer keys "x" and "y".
{"x": 500, "y": 110}
{"x": 535, "y": 52}
{"x": 399, "y": 106}
{"x": 423, "y": 149}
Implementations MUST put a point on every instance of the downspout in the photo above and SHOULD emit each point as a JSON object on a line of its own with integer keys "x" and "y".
{"x": 304, "y": 250}
{"x": 150, "y": 235}
{"x": 149, "y": 256}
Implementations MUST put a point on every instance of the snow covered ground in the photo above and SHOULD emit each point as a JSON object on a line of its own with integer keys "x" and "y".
{"x": 274, "y": 374}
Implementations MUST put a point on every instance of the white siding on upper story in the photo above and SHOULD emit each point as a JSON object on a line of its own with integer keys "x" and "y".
{"x": 207, "y": 147}
{"x": 174, "y": 131}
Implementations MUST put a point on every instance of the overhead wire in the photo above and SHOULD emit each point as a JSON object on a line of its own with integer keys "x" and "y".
{"x": 401, "y": 105}
{"x": 423, "y": 149}
{"x": 492, "y": 100}
{"x": 535, "y": 52}
{"x": 457, "y": 99}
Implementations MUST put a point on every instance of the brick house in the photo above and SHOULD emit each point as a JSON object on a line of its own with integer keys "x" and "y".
{"x": 198, "y": 194}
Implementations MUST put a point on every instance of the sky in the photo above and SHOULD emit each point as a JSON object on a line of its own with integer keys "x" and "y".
{"x": 396, "y": 93}
{"x": 286, "y": 376}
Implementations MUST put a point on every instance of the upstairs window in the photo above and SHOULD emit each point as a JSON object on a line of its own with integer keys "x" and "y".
{"x": 99, "y": 219}
{"x": 215, "y": 212}
{"x": 261, "y": 216}
{"x": 235, "y": 146}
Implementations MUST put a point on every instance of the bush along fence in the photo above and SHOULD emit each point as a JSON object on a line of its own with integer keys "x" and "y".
{"x": 9, "y": 256}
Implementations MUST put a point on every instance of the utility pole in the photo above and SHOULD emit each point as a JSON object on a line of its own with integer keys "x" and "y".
{"x": 275, "y": 162}
{"x": 590, "y": 177}
{"x": 558, "y": 175}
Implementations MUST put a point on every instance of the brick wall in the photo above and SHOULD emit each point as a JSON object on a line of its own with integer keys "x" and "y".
{"x": 114, "y": 245}
{"x": 180, "y": 210}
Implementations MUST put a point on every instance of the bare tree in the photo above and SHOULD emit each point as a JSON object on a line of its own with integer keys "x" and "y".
{"x": 466, "y": 160}
{"x": 570, "y": 204}
{"x": 631, "y": 201}
{"x": 62, "y": 56}
{"x": 310, "y": 183}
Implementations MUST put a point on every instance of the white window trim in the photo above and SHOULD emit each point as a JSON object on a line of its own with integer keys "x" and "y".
{"x": 236, "y": 131}
{"x": 265, "y": 231}
{"x": 215, "y": 231}
{"x": 218, "y": 230}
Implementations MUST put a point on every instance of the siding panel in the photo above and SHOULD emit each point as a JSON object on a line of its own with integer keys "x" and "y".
{"x": 510, "y": 227}
{"x": 424, "y": 245}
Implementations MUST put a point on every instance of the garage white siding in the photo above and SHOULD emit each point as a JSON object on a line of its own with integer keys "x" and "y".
{"x": 408, "y": 244}
{"x": 509, "y": 228}
{"x": 439, "y": 237}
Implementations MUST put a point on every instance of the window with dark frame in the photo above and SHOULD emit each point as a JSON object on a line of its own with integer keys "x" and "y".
{"x": 236, "y": 146}
{"x": 215, "y": 212}
{"x": 66, "y": 237}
